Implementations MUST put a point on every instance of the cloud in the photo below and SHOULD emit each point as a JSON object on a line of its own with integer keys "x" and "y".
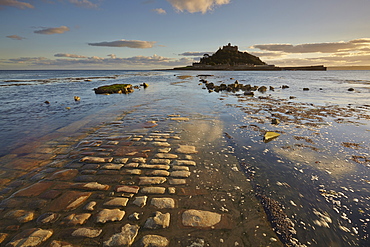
{"x": 69, "y": 55}
{"x": 329, "y": 47}
{"x": 195, "y": 54}
{"x": 126, "y": 43}
{"x": 15, "y": 3}
{"x": 160, "y": 11}
{"x": 52, "y": 30}
{"x": 84, "y": 3}
{"x": 193, "y": 6}
{"x": 15, "y": 37}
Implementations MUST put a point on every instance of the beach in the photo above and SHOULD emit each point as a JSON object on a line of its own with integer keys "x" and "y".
{"x": 177, "y": 164}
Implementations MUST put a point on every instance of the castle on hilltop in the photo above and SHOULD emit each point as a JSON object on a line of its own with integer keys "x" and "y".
{"x": 230, "y": 58}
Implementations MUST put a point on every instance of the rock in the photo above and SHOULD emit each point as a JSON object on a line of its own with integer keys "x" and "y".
{"x": 249, "y": 93}
{"x": 76, "y": 219}
{"x": 115, "y": 88}
{"x": 47, "y": 218}
{"x": 161, "y": 167}
{"x": 68, "y": 201}
{"x": 47, "y": 102}
{"x": 151, "y": 180}
{"x": 176, "y": 181}
{"x": 186, "y": 149}
{"x": 22, "y": 216}
{"x": 127, "y": 189}
{"x": 180, "y": 174}
{"x": 185, "y": 163}
{"x": 90, "y": 206}
{"x": 56, "y": 243}
{"x": 91, "y": 159}
{"x": 139, "y": 160}
{"x": 34, "y": 190}
{"x": 3, "y": 236}
{"x": 164, "y": 150}
{"x": 269, "y": 135}
{"x": 120, "y": 160}
{"x": 162, "y": 203}
{"x": 262, "y": 89}
{"x": 140, "y": 201}
{"x": 87, "y": 232}
{"x": 153, "y": 241}
{"x": 161, "y": 161}
{"x": 153, "y": 190}
{"x": 166, "y": 156}
{"x": 306, "y": 89}
{"x": 64, "y": 174}
{"x": 351, "y": 89}
{"x": 31, "y": 237}
{"x": 275, "y": 121}
{"x": 180, "y": 168}
{"x": 171, "y": 190}
{"x": 158, "y": 221}
{"x": 117, "y": 202}
{"x": 161, "y": 173}
{"x": 161, "y": 144}
{"x": 200, "y": 218}
{"x": 125, "y": 238}
{"x": 96, "y": 186}
{"x": 76, "y": 98}
{"x": 284, "y": 86}
{"x": 134, "y": 216}
{"x": 110, "y": 215}
{"x": 113, "y": 166}
{"x": 145, "y": 85}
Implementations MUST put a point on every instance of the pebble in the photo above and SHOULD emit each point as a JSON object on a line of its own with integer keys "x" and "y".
{"x": 109, "y": 215}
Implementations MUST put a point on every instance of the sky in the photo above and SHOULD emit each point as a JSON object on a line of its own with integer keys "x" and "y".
{"x": 159, "y": 34}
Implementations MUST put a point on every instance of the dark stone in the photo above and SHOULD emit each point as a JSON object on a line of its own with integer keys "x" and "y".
{"x": 306, "y": 89}
{"x": 115, "y": 88}
{"x": 351, "y": 89}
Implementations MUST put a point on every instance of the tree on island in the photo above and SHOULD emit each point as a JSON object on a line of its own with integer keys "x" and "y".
{"x": 229, "y": 55}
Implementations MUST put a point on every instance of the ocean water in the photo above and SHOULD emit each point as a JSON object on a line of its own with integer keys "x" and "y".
{"x": 310, "y": 169}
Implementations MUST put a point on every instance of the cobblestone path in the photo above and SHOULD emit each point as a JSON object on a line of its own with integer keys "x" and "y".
{"x": 132, "y": 186}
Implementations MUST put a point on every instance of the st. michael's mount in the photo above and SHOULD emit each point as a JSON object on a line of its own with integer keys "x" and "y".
{"x": 230, "y": 58}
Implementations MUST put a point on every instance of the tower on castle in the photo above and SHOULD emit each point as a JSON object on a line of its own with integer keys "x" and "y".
{"x": 229, "y": 47}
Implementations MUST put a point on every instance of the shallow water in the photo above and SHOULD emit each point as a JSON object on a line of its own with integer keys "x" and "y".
{"x": 308, "y": 169}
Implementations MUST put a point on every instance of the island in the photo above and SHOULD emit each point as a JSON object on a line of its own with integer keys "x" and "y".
{"x": 230, "y": 58}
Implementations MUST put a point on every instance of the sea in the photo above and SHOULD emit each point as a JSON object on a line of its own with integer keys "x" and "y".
{"x": 318, "y": 169}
